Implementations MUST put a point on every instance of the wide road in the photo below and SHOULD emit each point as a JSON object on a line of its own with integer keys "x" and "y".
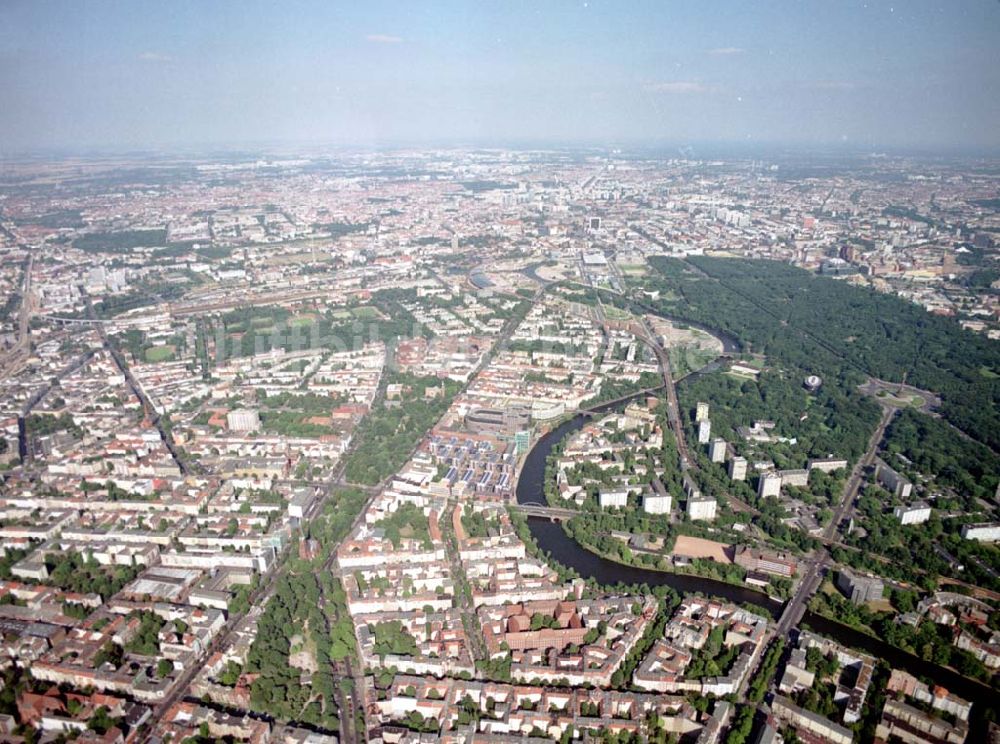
{"x": 351, "y": 668}
{"x": 263, "y": 595}
{"x": 673, "y": 406}
{"x": 645, "y": 334}
{"x": 154, "y": 417}
{"x": 846, "y": 505}
{"x": 812, "y": 578}
{"x": 16, "y": 357}
{"x": 241, "y": 299}
{"x": 817, "y": 565}
{"x": 37, "y": 398}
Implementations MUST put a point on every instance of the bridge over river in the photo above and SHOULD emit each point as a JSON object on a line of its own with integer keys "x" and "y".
{"x": 552, "y": 513}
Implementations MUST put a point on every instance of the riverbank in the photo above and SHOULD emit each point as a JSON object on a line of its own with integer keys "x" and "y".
{"x": 946, "y": 676}
{"x": 551, "y": 543}
{"x": 574, "y": 559}
{"x": 531, "y": 489}
{"x": 776, "y": 603}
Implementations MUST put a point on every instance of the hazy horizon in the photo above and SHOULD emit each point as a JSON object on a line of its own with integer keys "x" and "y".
{"x": 864, "y": 76}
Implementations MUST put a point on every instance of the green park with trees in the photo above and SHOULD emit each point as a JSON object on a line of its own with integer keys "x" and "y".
{"x": 837, "y": 331}
{"x": 392, "y": 429}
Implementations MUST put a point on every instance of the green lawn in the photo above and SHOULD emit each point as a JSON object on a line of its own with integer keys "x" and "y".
{"x": 632, "y": 269}
{"x": 615, "y": 313}
{"x": 684, "y": 359}
{"x": 160, "y": 353}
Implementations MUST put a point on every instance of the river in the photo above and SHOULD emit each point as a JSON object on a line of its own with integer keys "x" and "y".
{"x": 553, "y": 539}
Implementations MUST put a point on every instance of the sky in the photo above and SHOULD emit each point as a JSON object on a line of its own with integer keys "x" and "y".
{"x": 874, "y": 75}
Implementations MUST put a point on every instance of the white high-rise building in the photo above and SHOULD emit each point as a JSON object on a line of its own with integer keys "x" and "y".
{"x": 982, "y": 531}
{"x": 892, "y": 481}
{"x": 769, "y": 485}
{"x": 612, "y": 499}
{"x": 701, "y": 508}
{"x": 704, "y": 431}
{"x": 657, "y": 501}
{"x": 717, "y": 450}
{"x": 915, "y": 514}
{"x": 738, "y": 468}
{"x": 654, "y": 503}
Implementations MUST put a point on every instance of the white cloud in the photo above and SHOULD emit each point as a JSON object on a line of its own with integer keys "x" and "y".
{"x": 384, "y": 39}
{"x": 155, "y": 57}
{"x": 680, "y": 86}
{"x": 726, "y": 51}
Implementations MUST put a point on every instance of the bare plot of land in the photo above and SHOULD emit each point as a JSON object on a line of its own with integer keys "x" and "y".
{"x": 699, "y": 547}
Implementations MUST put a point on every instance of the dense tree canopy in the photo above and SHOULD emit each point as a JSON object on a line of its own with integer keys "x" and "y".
{"x": 839, "y": 331}
{"x": 389, "y": 433}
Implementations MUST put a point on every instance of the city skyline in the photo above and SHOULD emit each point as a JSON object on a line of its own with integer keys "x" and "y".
{"x": 869, "y": 75}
